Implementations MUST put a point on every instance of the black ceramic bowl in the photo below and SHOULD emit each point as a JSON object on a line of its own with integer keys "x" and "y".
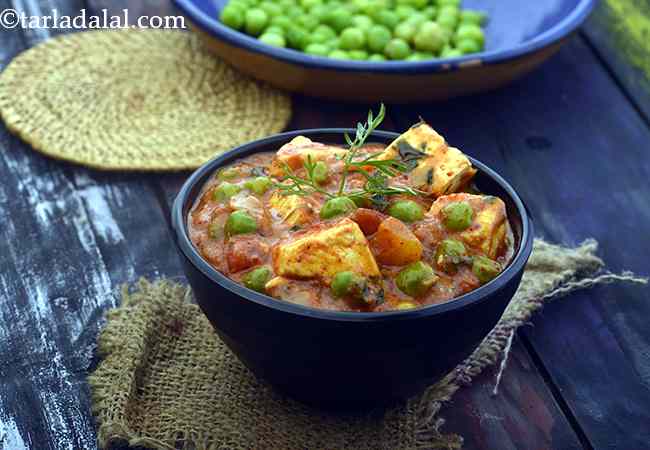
{"x": 347, "y": 359}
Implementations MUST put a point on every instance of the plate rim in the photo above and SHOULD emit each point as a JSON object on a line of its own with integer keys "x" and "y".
{"x": 216, "y": 29}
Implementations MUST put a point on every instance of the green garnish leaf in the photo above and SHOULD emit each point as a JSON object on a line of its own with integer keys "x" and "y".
{"x": 376, "y": 188}
{"x": 409, "y": 154}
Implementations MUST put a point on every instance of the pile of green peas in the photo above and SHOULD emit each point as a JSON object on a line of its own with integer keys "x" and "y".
{"x": 372, "y": 30}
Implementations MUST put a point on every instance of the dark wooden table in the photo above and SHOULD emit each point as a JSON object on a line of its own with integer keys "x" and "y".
{"x": 574, "y": 139}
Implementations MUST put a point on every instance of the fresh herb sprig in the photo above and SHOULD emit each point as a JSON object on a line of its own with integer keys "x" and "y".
{"x": 376, "y": 187}
{"x": 301, "y": 186}
{"x": 363, "y": 132}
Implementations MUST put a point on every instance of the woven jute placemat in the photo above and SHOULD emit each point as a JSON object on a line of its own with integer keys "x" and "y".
{"x": 134, "y": 99}
{"x": 168, "y": 382}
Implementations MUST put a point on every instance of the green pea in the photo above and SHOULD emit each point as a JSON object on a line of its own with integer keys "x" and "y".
{"x": 468, "y": 46}
{"x": 423, "y": 56}
{"x": 430, "y": 12}
{"x": 416, "y": 279}
{"x": 228, "y": 173}
{"x": 256, "y": 279}
{"x": 274, "y": 29}
{"x": 339, "y": 54}
{"x": 362, "y": 5}
{"x": 317, "y": 49}
{"x": 224, "y": 191}
{"x": 232, "y": 17}
{"x": 371, "y": 7}
{"x": 309, "y": 4}
{"x": 321, "y": 172}
{"x": 449, "y": 254}
{"x": 376, "y": 57}
{"x": 353, "y": 39}
{"x": 448, "y": 22}
{"x": 326, "y": 31}
{"x": 397, "y": 49}
{"x": 457, "y": 216}
{"x": 339, "y": 19}
{"x": 406, "y": 31}
{"x": 256, "y": 21}
{"x": 336, "y": 207}
{"x": 293, "y": 12}
{"x": 430, "y": 37}
{"x": 473, "y": 17}
{"x": 417, "y": 19}
{"x": 297, "y": 37}
{"x": 283, "y": 22}
{"x": 258, "y": 185}
{"x": 417, "y": 4}
{"x": 358, "y": 55}
{"x": 240, "y": 222}
{"x": 348, "y": 284}
{"x": 471, "y": 32}
{"x": 320, "y": 12}
{"x": 485, "y": 269}
{"x": 318, "y": 38}
{"x": 276, "y": 40}
{"x": 378, "y": 38}
{"x": 387, "y": 18}
{"x": 404, "y": 11}
{"x": 271, "y": 8}
{"x": 406, "y": 211}
{"x": 362, "y": 22}
{"x": 449, "y": 10}
{"x": 450, "y": 52}
{"x": 307, "y": 21}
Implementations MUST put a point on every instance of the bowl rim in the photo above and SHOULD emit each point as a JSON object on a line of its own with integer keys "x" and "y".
{"x": 179, "y": 227}
{"x": 216, "y": 29}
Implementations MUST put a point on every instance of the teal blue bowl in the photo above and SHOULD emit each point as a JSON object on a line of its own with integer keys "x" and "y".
{"x": 520, "y": 35}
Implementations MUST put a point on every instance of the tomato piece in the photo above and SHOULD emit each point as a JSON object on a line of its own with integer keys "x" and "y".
{"x": 368, "y": 220}
{"x": 395, "y": 244}
{"x": 243, "y": 252}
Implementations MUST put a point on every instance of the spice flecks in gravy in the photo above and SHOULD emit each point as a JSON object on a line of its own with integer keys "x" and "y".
{"x": 385, "y": 228}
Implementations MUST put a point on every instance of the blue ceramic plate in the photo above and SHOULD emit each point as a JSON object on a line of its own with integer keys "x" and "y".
{"x": 519, "y": 36}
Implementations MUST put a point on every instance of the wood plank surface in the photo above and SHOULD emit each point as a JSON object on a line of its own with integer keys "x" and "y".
{"x": 69, "y": 239}
{"x": 554, "y": 134}
{"x": 619, "y": 30}
{"x": 523, "y": 415}
{"x": 577, "y": 151}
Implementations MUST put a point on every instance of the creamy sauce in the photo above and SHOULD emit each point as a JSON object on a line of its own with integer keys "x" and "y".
{"x": 237, "y": 255}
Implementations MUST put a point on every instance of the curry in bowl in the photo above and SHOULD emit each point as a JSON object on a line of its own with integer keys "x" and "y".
{"x": 366, "y": 227}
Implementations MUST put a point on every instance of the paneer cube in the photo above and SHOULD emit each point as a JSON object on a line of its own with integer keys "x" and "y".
{"x": 295, "y": 153}
{"x": 289, "y": 290}
{"x": 292, "y": 209}
{"x": 325, "y": 251}
{"x": 439, "y": 169}
{"x": 489, "y": 227}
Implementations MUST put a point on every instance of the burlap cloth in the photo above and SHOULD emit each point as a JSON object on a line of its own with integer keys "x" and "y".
{"x": 134, "y": 99}
{"x": 167, "y": 381}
